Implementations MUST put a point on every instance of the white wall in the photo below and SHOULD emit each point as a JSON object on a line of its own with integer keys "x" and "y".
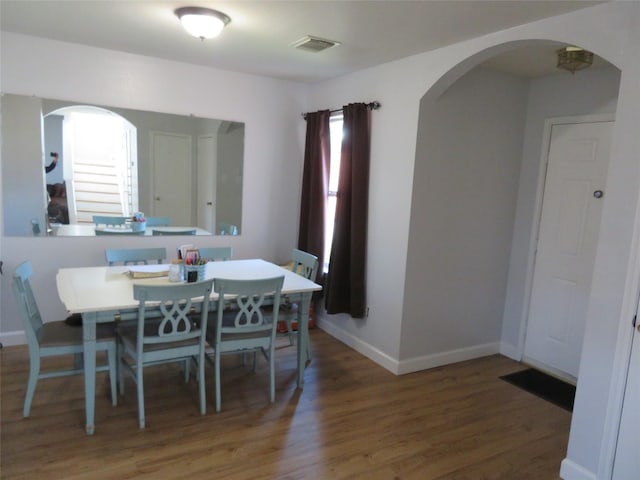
{"x": 464, "y": 196}
{"x": 273, "y": 157}
{"x": 23, "y": 172}
{"x": 591, "y": 91}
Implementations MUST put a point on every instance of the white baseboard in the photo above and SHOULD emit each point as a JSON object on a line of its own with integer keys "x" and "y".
{"x": 9, "y": 339}
{"x": 446, "y": 358}
{"x": 510, "y": 351}
{"x": 358, "y": 345}
{"x": 410, "y": 365}
{"x": 572, "y": 471}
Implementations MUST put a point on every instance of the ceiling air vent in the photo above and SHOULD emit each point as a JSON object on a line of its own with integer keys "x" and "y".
{"x": 314, "y": 44}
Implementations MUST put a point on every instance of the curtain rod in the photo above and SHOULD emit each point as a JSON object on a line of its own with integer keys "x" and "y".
{"x": 375, "y": 105}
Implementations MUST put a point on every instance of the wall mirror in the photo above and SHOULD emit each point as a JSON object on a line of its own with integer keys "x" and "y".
{"x": 64, "y": 163}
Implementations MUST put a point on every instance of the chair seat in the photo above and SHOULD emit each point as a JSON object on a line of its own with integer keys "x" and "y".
{"x": 211, "y": 334}
{"x": 58, "y": 333}
{"x": 129, "y": 336}
{"x": 229, "y": 339}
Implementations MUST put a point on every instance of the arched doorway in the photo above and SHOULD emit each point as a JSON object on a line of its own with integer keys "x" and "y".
{"x": 98, "y": 151}
{"x": 478, "y": 186}
{"x": 474, "y": 216}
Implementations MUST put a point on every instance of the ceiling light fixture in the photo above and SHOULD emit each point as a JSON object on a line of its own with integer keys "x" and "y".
{"x": 202, "y": 22}
{"x": 574, "y": 58}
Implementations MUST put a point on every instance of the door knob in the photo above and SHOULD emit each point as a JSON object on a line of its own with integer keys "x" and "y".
{"x": 598, "y": 194}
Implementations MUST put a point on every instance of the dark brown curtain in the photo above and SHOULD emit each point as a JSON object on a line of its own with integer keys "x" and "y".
{"x": 345, "y": 289}
{"x": 315, "y": 185}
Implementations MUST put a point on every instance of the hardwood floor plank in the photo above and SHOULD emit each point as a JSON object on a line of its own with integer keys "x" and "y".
{"x": 353, "y": 420}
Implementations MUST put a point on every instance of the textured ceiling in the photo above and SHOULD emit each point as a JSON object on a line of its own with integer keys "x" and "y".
{"x": 258, "y": 39}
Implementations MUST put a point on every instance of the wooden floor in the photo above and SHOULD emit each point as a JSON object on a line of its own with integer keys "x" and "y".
{"x": 353, "y": 420}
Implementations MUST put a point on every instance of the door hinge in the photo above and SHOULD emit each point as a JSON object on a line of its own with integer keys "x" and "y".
{"x": 635, "y": 318}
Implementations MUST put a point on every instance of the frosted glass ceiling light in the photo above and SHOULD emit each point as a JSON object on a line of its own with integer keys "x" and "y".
{"x": 202, "y": 22}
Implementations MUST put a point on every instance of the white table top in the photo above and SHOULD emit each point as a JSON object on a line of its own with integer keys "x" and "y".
{"x": 89, "y": 230}
{"x": 95, "y": 289}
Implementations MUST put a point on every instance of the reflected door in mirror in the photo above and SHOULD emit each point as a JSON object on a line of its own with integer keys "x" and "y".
{"x": 172, "y": 181}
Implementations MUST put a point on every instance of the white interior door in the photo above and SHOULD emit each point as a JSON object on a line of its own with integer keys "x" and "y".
{"x": 578, "y": 157}
{"x": 205, "y": 205}
{"x": 171, "y": 156}
{"x": 627, "y": 459}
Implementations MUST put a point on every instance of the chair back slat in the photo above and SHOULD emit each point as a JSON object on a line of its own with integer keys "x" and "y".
{"x": 176, "y": 303}
{"x": 158, "y": 221}
{"x": 215, "y": 253}
{"x": 117, "y": 232}
{"x": 189, "y": 231}
{"x": 175, "y": 320}
{"x": 304, "y": 264}
{"x": 135, "y": 255}
{"x": 249, "y": 298}
{"x": 109, "y": 221}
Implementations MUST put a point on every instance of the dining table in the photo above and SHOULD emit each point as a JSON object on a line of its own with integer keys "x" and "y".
{"x": 105, "y": 294}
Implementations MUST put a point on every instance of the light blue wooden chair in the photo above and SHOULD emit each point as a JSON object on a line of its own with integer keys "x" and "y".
{"x": 55, "y": 339}
{"x": 304, "y": 264}
{"x": 128, "y": 256}
{"x": 158, "y": 221}
{"x": 242, "y": 324}
{"x": 227, "y": 229}
{"x": 174, "y": 337}
{"x": 187, "y": 231}
{"x": 109, "y": 220}
{"x": 215, "y": 253}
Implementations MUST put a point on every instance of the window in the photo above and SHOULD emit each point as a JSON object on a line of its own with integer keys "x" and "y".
{"x": 335, "y": 132}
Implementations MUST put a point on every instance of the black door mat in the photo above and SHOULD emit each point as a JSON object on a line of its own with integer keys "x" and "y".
{"x": 544, "y": 386}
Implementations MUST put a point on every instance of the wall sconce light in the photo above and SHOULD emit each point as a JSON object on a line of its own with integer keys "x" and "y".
{"x": 574, "y": 58}
{"x": 202, "y": 22}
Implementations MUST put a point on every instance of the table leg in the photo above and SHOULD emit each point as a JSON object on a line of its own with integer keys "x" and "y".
{"x": 303, "y": 336}
{"x": 89, "y": 339}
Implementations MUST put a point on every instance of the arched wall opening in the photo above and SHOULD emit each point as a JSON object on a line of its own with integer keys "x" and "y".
{"x": 99, "y": 163}
{"x": 475, "y": 201}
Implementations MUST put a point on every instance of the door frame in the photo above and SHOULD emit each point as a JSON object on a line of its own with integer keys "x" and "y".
{"x": 549, "y": 123}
